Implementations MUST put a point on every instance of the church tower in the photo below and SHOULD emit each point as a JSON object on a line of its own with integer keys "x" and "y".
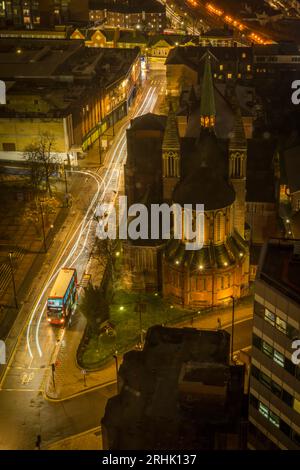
{"x": 207, "y": 105}
{"x": 170, "y": 156}
{"x": 237, "y": 171}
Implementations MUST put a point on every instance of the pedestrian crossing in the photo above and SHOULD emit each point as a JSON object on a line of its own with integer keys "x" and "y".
{"x": 5, "y": 269}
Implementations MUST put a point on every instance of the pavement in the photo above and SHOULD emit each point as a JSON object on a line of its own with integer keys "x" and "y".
{"x": 70, "y": 381}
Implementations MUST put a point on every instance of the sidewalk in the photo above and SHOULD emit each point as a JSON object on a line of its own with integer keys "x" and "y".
{"x": 89, "y": 440}
{"x": 69, "y": 379}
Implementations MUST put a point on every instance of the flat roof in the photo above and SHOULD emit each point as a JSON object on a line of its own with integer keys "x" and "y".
{"x": 280, "y": 267}
{"x": 62, "y": 282}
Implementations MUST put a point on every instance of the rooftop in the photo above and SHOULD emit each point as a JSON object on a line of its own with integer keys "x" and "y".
{"x": 177, "y": 392}
{"x": 131, "y": 6}
{"x": 280, "y": 267}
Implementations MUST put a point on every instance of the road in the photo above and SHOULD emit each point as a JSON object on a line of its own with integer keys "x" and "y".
{"x": 23, "y": 411}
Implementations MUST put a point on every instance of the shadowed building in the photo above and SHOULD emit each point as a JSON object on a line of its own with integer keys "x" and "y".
{"x": 274, "y": 409}
{"x": 179, "y": 392}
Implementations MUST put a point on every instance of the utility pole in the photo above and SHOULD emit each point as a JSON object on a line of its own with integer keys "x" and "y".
{"x": 13, "y": 280}
{"x": 117, "y": 370}
{"x": 66, "y": 186}
{"x": 232, "y": 327}
{"x": 43, "y": 228}
{"x": 53, "y": 375}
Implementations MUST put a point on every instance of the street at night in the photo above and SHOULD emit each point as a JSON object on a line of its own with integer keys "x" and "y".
{"x": 149, "y": 229}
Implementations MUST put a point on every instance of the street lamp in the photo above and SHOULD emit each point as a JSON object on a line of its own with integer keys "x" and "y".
{"x": 232, "y": 326}
{"x": 13, "y": 279}
{"x": 43, "y": 228}
{"x": 66, "y": 184}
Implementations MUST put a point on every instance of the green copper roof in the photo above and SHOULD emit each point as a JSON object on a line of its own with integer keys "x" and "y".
{"x": 171, "y": 136}
{"x": 207, "y": 107}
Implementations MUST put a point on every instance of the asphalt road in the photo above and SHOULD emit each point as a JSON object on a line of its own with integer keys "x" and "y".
{"x": 23, "y": 412}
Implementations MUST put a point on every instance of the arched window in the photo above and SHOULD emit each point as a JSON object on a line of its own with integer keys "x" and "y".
{"x": 218, "y": 227}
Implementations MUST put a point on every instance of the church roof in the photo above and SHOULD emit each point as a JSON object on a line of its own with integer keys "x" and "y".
{"x": 204, "y": 187}
{"x": 149, "y": 121}
{"x": 171, "y": 136}
{"x": 209, "y": 257}
{"x": 207, "y": 106}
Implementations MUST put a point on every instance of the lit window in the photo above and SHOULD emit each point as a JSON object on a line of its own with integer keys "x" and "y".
{"x": 244, "y": 55}
{"x": 269, "y": 317}
{"x": 229, "y": 75}
{"x": 281, "y": 325}
{"x": 248, "y": 68}
{"x": 221, "y": 67}
{"x": 267, "y": 349}
{"x": 263, "y": 409}
{"x": 274, "y": 419}
{"x": 296, "y": 405}
{"x": 278, "y": 358}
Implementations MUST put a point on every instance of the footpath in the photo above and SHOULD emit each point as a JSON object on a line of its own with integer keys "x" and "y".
{"x": 71, "y": 381}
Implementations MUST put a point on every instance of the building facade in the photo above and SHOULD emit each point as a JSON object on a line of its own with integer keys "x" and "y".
{"x": 274, "y": 407}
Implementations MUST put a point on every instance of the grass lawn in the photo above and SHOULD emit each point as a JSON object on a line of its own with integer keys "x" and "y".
{"x": 98, "y": 351}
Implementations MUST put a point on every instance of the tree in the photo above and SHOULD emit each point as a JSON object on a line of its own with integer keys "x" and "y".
{"x": 42, "y": 160}
{"x": 108, "y": 253}
{"x": 94, "y": 306}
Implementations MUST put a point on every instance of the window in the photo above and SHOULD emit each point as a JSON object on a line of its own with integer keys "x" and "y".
{"x": 263, "y": 409}
{"x": 296, "y": 405}
{"x": 267, "y": 349}
{"x": 256, "y": 340}
{"x": 265, "y": 380}
{"x": 9, "y": 146}
{"x": 276, "y": 389}
{"x": 229, "y": 75}
{"x": 285, "y": 428}
{"x": 278, "y": 358}
{"x": 221, "y": 67}
{"x": 287, "y": 398}
{"x": 269, "y": 317}
{"x": 248, "y": 68}
{"x": 296, "y": 438}
{"x": 281, "y": 325}
{"x": 259, "y": 309}
{"x": 274, "y": 419}
{"x": 244, "y": 55}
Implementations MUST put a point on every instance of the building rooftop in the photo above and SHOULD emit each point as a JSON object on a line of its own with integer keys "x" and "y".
{"x": 132, "y": 6}
{"x": 177, "y": 393}
{"x": 280, "y": 266}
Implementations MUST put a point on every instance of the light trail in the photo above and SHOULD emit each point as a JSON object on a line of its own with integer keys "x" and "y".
{"x": 148, "y": 102}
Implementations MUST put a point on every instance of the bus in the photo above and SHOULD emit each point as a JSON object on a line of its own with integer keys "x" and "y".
{"x": 63, "y": 296}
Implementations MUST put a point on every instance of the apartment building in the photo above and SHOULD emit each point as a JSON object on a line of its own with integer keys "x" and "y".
{"x": 274, "y": 402}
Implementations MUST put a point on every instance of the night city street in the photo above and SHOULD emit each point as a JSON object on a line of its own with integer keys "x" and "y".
{"x": 149, "y": 229}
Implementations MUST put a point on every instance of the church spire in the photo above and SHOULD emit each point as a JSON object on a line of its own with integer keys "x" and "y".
{"x": 170, "y": 155}
{"x": 207, "y": 106}
{"x": 171, "y": 137}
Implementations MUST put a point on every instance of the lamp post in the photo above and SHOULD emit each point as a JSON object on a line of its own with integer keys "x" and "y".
{"x": 13, "y": 280}
{"x": 117, "y": 370}
{"x": 66, "y": 186}
{"x": 232, "y": 326}
{"x": 43, "y": 228}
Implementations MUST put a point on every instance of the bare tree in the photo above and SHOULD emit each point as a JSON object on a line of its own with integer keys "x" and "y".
{"x": 43, "y": 160}
{"x": 108, "y": 253}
